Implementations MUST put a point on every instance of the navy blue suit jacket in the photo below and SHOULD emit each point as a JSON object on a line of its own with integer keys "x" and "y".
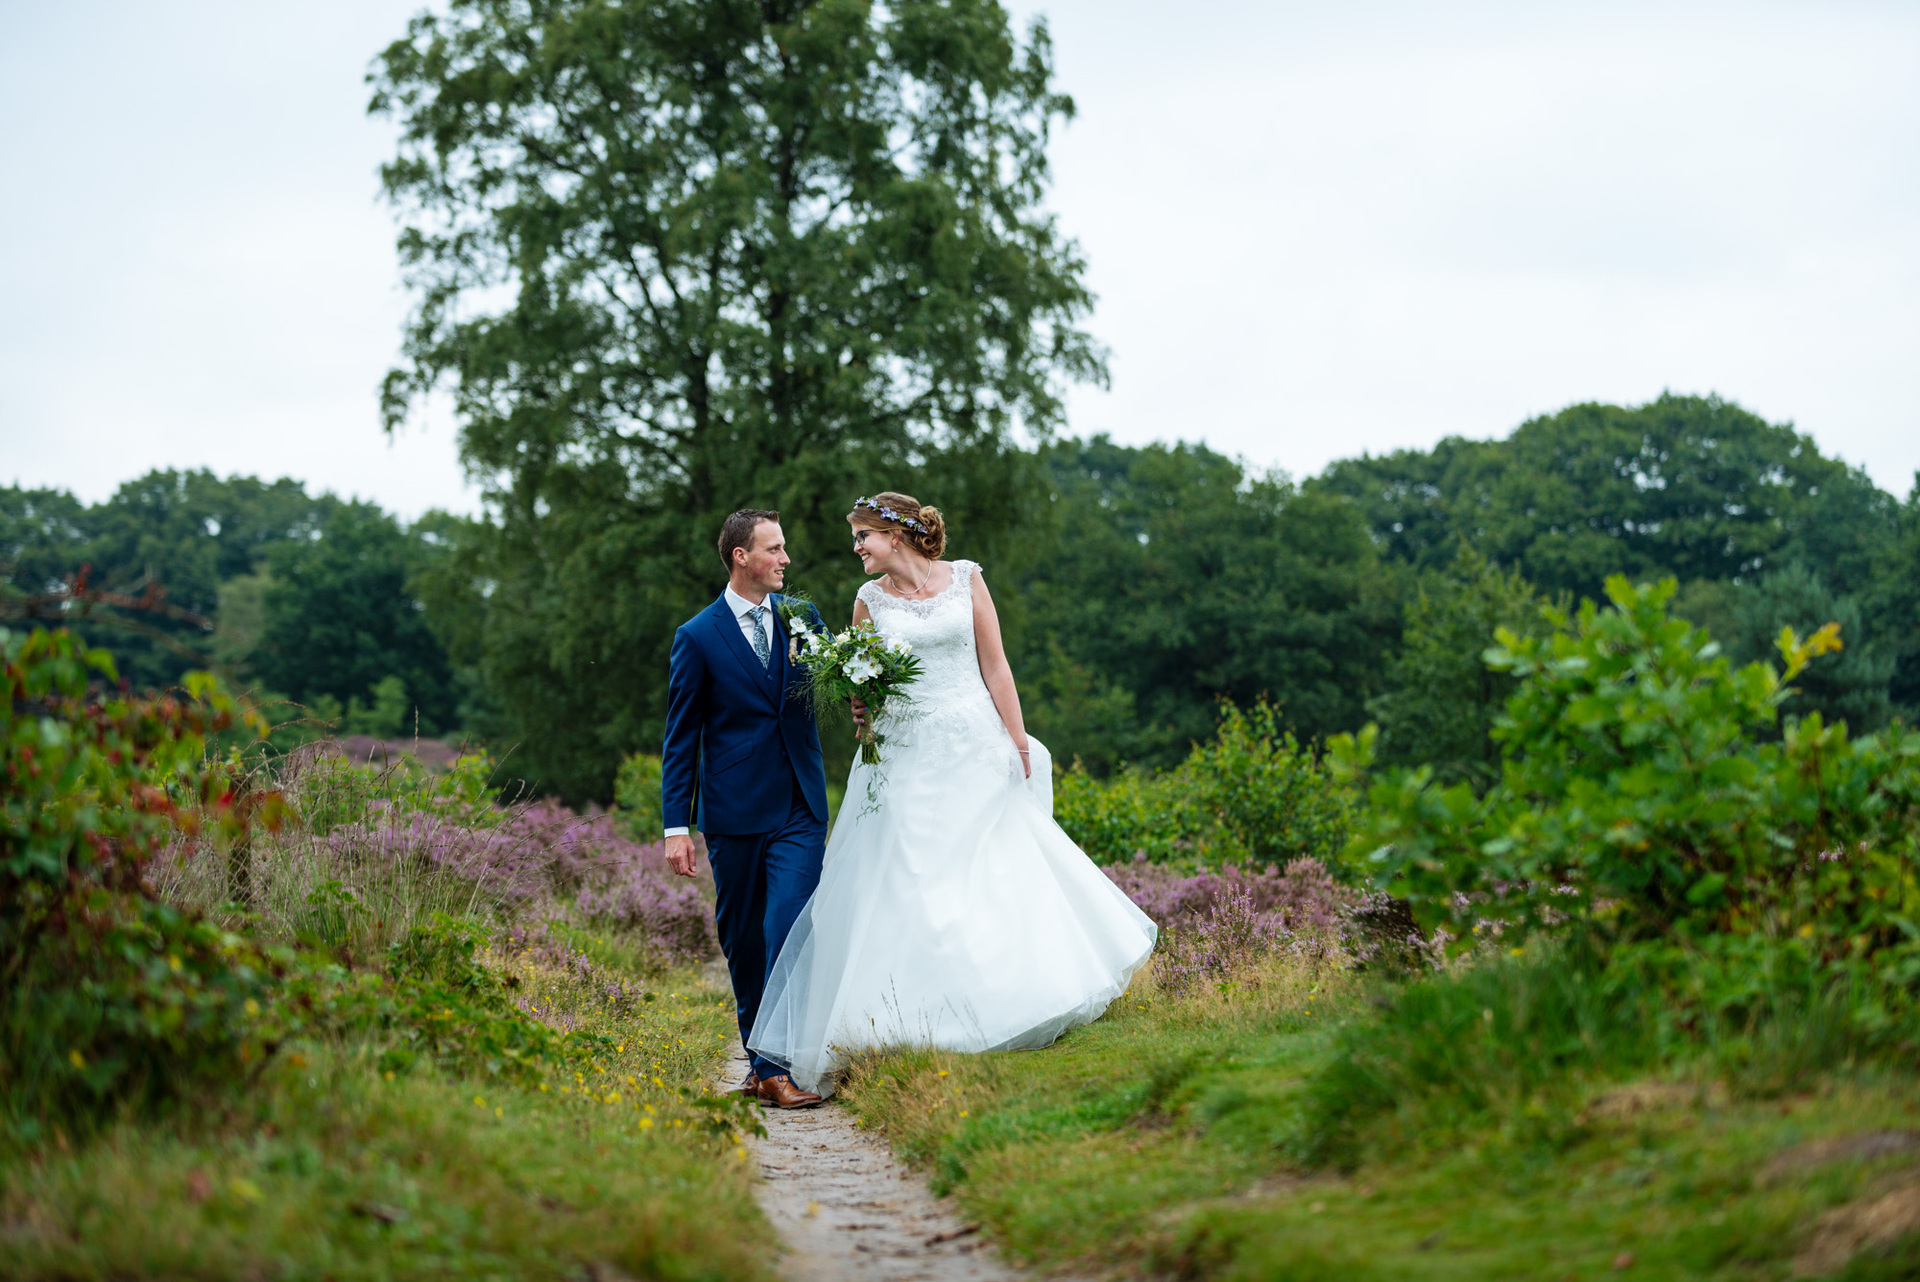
{"x": 739, "y": 736}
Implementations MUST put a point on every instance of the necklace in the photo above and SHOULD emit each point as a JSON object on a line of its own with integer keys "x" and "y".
{"x": 908, "y": 596}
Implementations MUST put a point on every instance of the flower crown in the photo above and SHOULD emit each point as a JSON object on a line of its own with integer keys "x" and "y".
{"x": 890, "y": 514}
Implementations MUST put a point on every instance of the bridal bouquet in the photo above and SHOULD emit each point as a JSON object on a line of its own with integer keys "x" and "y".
{"x": 857, "y": 663}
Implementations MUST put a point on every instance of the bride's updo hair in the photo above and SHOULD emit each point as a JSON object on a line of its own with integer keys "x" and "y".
{"x": 920, "y": 527}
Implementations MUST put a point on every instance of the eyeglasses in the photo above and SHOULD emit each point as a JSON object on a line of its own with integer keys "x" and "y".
{"x": 860, "y": 536}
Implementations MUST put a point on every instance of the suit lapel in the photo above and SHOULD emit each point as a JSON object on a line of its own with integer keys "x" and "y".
{"x": 733, "y": 640}
{"x": 781, "y": 640}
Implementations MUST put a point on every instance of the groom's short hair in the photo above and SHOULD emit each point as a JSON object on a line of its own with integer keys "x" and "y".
{"x": 737, "y": 531}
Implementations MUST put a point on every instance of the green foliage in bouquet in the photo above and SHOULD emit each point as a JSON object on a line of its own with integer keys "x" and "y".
{"x": 1643, "y": 801}
{"x": 854, "y": 663}
{"x": 1251, "y": 794}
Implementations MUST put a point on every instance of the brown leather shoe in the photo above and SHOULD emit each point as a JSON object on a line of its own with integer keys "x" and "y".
{"x": 751, "y": 1087}
{"x": 782, "y": 1093}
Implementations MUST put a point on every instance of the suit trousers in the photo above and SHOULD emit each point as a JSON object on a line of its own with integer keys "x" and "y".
{"x": 763, "y": 880}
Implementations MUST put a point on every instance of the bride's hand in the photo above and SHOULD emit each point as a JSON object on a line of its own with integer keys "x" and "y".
{"x": 1026, "y": 760}
{"x": 859, "y": 712}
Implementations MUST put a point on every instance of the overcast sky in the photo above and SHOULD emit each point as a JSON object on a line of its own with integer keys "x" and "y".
{"x": 1315, "y": 229}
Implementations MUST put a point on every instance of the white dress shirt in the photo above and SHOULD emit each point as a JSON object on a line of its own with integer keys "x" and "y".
{"x": 743, "y": 611}
{"x": 743, "y": 614}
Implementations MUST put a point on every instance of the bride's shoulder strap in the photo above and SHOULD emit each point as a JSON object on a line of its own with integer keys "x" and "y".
{"x": 963, "y": 572}
{"x": 869, "y": 592}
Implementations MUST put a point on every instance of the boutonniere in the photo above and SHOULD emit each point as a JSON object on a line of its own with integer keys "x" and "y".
{"x": 798, "y": 611}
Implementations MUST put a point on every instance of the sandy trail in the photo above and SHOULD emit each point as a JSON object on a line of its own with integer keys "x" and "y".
{"x": 847, "y": 1209}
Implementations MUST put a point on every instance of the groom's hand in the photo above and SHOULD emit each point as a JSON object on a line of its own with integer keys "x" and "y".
{"x": 680, "y": 854}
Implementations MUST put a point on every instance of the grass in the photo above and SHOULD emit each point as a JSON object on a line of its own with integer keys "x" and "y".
{"x": 417, "y": 1126}
{"x": 1192, "y": 1137}
{"x": 331, "y": 1168}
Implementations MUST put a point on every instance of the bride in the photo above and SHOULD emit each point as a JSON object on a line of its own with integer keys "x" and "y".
{"x": 952, "y": 911}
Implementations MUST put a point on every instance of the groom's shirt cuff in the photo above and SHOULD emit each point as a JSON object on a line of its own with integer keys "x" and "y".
{"x": 677, "y": 832}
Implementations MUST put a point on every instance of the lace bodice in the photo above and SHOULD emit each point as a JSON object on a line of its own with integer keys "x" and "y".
{"x": 949, "y": 705}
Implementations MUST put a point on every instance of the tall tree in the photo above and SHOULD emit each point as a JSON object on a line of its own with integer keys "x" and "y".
{"x": 43, "y": 534}
{"x": 341, "y": 616}
{"x": 1441, "y": 699}
{"x": 1171, "y": 578}
{"x": 1892, "y": 605}
{"x": 1693, "y": 487}
{"x": 181, "y": 534}
{"x": 683, "y": 256}
{"x": 1850, "y": 685}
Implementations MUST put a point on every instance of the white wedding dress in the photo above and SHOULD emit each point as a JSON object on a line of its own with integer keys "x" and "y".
{"x": 952, "y": 911}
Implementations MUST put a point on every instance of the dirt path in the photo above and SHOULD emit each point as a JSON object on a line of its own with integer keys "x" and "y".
{"x": 846, "y": 1209}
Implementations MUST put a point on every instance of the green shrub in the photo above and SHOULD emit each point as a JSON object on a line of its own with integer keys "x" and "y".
{"x": 1526, "y": 1043}
{"x": 108, "y": 994}
{"x": 1641, "y": 800}
{"x": 115, "y": 1001}
{"x": 1131, "y": 813}
{"x": 1439, "y": 699}
{"x": 1251, "y": 794}
{"x": 1267, "y": 800}
{"x": 1516, "y": 1036}
{"x": 441, "y": 1004}
{"x": 387, "y": 716}
{"x": 636, "y": 796}
{"x": 1720, "y": 894}
{"x": 326, "y": 789}
{"x": 127, "y": 1003}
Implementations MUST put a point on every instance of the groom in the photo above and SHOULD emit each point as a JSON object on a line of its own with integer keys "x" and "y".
{"x": 744, "y": 749}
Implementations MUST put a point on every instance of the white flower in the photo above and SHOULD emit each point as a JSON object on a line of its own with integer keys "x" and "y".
{"x": 860, "y": 667}
{"x": 800, "y": 625}
{"x": 902, "y": 647}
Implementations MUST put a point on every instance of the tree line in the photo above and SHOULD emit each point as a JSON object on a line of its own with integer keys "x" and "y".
{"x": 1141, "y": 585}
{"x": 1178, "y": 577}
{"x": 312, "y": 599}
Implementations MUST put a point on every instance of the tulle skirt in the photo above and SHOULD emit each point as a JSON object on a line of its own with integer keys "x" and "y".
{"x": 952, "y": 912}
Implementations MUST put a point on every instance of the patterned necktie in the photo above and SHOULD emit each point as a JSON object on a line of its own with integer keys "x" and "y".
{"x": 761, "y": 646}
